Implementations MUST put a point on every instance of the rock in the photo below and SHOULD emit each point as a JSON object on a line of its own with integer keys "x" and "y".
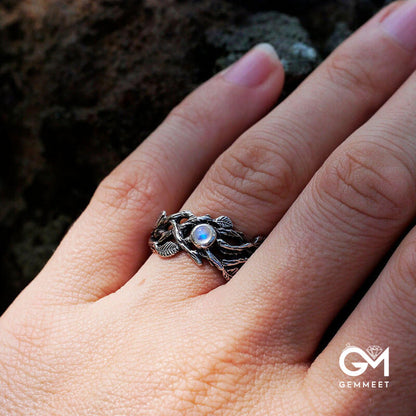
{"x": 340, "y": 33}
{"x": 36, "y": 242}
{"x": 297, "y": 7}
{"x": 285, "y": 33}
{"x": 29, "y": 247}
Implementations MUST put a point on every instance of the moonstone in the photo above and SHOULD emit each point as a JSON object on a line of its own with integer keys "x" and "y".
{"x": 203, "y": 235}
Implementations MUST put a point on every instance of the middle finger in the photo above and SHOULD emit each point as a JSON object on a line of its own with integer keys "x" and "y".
{"x": 353, "y": 210}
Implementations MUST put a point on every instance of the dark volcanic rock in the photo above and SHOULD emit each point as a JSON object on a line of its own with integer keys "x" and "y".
{"x": 340, "y": 33}
{"x": 82, "y": 82}
{"x": 285, "y": 33}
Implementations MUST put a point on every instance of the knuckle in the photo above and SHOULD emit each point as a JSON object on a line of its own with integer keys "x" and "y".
{"x": 405, "y": 283}
{"x": 350, "y": 73}
{"x": 129, "y": 187}
{"x": 399, "y": 285}
{"x": 29, "y": 329}
{"x": 190, "y": 116}
{"x": 254, "y": 172}
{"x": 24, "y": 339}
{"x": 220, "y": 375}
{"x": 368, "y": 181}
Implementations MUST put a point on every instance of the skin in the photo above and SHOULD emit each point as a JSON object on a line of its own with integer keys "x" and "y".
{"x": 108, "y": 329}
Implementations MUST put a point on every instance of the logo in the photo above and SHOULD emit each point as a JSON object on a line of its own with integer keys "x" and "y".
{"x": 373, "y": 356}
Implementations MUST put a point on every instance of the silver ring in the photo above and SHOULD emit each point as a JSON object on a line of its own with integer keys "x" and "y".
{"x": 214, "y": 240}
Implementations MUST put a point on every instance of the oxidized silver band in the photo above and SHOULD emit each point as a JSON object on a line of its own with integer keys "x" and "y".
{"x": 203, "y": 238}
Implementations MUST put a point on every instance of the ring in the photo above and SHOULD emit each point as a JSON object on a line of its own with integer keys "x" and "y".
{"x": 214, "y": 240}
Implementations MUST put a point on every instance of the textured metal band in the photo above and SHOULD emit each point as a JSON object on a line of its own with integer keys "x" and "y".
{"x": 203, "y": 238}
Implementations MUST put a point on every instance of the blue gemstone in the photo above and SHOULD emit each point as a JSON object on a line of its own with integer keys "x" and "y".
{"x": 203, "y": 235}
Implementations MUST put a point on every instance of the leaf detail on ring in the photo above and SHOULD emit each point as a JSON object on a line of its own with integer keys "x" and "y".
{"x": 224, "y": 222}
{"x": 168, "y": 249}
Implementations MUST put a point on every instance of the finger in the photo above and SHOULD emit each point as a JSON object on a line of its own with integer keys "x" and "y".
{"x": 386, "y": 318}
{"x": 108, "y": 243}
{"x": 350, "y": 214}
{"x": 259, "y": 176}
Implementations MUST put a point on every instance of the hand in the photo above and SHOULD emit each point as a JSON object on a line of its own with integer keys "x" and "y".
{"x": 329, "y": 175}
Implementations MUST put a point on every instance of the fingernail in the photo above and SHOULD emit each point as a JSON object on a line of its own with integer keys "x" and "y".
{"x": 254, "y": 67}
{"x": 401, "y": 24}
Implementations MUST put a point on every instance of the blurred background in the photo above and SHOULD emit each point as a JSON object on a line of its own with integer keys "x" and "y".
{"x": 83, "y": 82}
